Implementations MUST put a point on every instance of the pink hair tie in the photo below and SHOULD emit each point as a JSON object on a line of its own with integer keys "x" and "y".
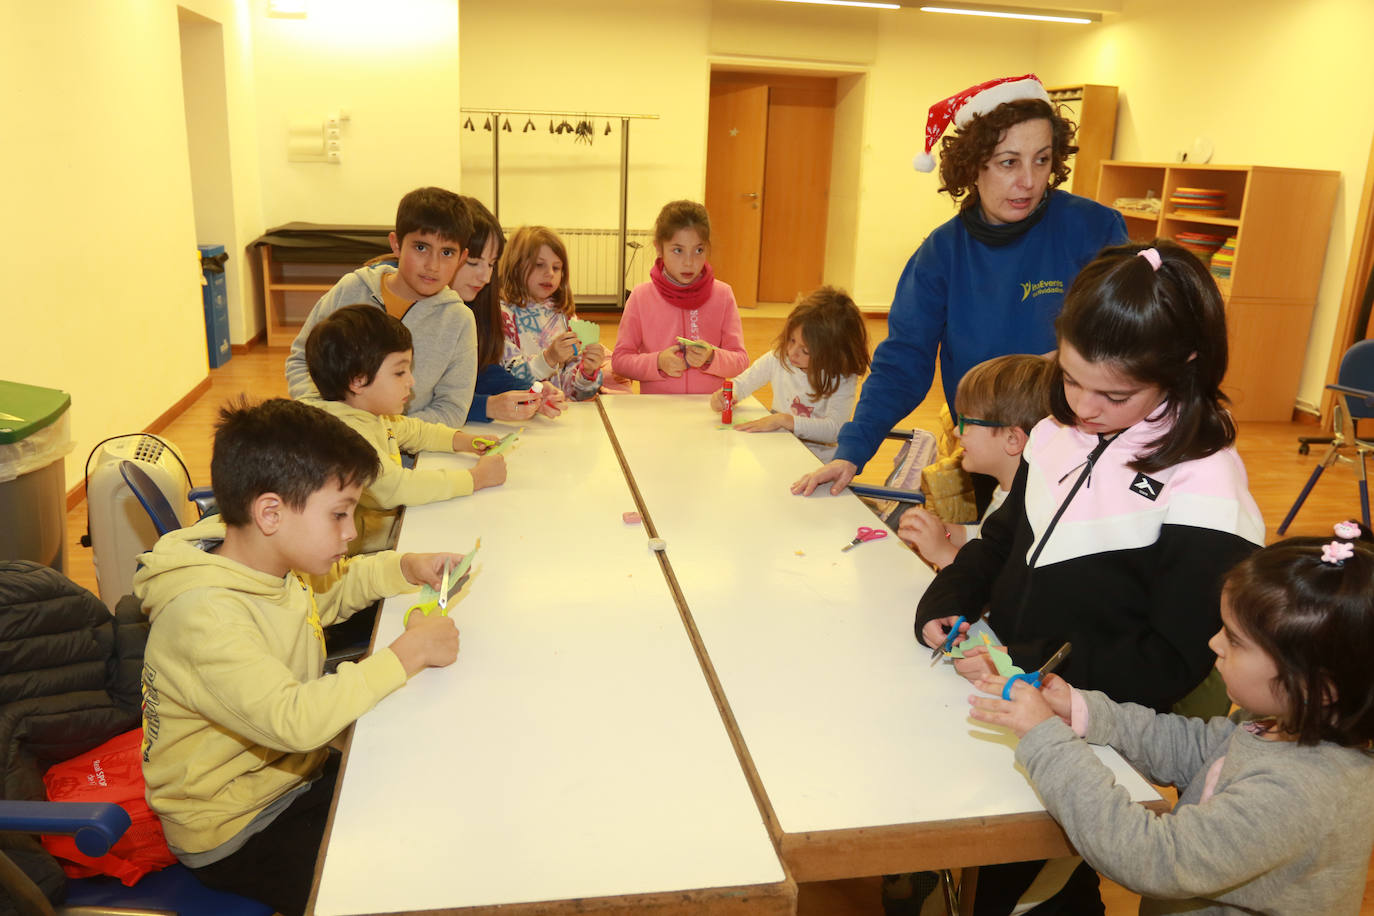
{"x": 1347, "y": 531}
{"x": 1337, "y": 552}
{"x": 1151, "y": 255}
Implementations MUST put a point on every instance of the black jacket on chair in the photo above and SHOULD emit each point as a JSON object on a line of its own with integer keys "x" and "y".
{"x": 69, "y": 681}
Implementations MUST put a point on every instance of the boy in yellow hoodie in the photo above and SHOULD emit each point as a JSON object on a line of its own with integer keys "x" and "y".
{"x": 237, "y": 711}
{"x": 360, "y": 361}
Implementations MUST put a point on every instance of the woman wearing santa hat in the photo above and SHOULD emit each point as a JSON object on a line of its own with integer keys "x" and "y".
{"x": 991, "y": 280}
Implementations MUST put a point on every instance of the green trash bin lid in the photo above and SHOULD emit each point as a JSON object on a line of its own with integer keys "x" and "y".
{"x": 25, "y": 409}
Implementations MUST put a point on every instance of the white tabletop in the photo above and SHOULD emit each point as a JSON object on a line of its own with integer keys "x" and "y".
{"x": 574, "y": 749}
{"x": 847, "y": 724}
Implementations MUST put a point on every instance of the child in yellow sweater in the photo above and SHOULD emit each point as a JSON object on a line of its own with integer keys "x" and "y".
{"x": 360, "y": 360}
{"x": 237, "y": 712}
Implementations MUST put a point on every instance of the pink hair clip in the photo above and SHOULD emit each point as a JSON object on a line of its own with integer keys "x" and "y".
{"x": 1347, "y": 531}
{"x": 1151, "y": 255}
{"x": 1337, "y": 552}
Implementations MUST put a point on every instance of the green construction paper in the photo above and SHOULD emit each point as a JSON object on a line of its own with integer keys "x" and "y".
{"x": 429, "y": 595}
{"x": 506, "y": 442}
{"x": 1000, "y": 660}
{"x": 693, "y": 343}
{"x": 588, "y": 332}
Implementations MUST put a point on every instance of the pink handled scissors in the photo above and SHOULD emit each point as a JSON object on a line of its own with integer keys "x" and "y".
{"x": 865, "y": 534}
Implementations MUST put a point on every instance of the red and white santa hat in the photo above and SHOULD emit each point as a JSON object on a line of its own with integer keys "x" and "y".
{"x": 973, "y": 101}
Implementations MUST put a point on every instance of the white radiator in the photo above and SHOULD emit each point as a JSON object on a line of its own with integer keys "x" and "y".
{"x": 592, "y": 263}
{"x": 120, "y": 528}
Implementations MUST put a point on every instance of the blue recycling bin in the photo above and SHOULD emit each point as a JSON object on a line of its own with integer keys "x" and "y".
{"x": 216, "y": 303}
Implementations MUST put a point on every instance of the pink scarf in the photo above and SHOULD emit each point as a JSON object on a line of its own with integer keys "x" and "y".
{"x": 691, "y": 296}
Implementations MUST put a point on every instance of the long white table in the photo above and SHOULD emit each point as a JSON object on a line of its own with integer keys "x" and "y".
{"x": 573, "y": 758}
{"x": 865, "y": 753}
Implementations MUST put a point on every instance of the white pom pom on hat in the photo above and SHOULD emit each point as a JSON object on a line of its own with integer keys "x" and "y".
{"x": 973, "y": 101}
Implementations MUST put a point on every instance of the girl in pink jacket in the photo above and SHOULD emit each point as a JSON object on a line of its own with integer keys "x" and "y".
{"x": 681, "y": 332}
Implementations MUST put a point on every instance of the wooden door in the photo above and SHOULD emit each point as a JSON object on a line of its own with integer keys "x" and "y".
{"x": 801, "y": 131}
{"x": 736, "y": 138}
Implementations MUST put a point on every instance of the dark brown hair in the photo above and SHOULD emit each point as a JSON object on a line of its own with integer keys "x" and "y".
{"x": 1007, "y": 390}
{"x": 1316, "y": 621}
{"x": 523, "y": 251}
{"x": 1165, "y": 328}
{"x": 682, "y": 214}
{"x": 486, "y": 306}
{"x": 834, "y": 334}
{"x": 963, "y": 154}
{"x": 352, "y": 343}
{"x": 284, "y": 447}
{"x": 433, "y": 210}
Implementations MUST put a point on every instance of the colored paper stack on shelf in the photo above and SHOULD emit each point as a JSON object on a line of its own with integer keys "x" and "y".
{"x": 1224, "y": 259}
{"x": 1201, "y": 244}
{"x": 1200, "y": 201}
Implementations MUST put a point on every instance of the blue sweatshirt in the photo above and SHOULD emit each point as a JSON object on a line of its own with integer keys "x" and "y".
{"x": 491, "y": 379}
{"x": 974, "y": 301}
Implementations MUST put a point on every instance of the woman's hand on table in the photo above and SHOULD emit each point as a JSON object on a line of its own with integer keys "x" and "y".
{"x": 515, "y": 406}
{"x": 839, "y": 471}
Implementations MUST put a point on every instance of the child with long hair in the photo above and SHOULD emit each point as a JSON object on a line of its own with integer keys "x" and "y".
{"x": 499, "y": 394}
{"x": 683, "y": 301}
{"x": 1130, "y": 505}
{"x": 1274, "y": 804}
{"x": 814, "y": 368}
{"x": 536, "y": 306}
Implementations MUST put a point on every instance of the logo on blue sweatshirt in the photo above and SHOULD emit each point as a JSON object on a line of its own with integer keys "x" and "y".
{"x": 1041, "y": 288}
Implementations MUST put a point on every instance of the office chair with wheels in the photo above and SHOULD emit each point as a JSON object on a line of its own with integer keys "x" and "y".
{"x": 1354, "y": 390}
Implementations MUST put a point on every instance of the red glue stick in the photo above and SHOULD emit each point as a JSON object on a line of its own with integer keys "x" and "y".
{"x": 727, "y": 413}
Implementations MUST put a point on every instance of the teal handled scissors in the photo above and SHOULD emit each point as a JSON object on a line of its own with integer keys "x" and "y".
{"x": 1035, "y": 678}
{"x": 947, "y": 646}
{"x": 865, "y": 534}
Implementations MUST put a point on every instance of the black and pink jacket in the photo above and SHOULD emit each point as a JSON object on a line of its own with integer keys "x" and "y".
{"x": 1126, "y": 566}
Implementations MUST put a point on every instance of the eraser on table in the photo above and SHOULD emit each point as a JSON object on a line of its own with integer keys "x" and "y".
{"x": 630, "y": 518}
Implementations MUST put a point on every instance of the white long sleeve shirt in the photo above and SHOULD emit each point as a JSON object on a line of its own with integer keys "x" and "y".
{"x": 816, "y": 422}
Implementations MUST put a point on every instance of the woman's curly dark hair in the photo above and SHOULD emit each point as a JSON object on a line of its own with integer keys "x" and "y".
{"x": 963, "y": 154}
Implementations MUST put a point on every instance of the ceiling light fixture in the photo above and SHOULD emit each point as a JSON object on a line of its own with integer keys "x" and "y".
{"x": 1011, "y": 12}
{"x": 865, "y": 3}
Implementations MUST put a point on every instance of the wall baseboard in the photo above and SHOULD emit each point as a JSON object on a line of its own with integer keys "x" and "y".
{"x": 77, "y": 493}
{"x": 251, "y": 344}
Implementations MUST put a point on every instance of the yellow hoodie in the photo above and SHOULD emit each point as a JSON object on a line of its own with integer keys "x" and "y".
{"x": 397, "y": 486}
{"x": 235, "y": 710}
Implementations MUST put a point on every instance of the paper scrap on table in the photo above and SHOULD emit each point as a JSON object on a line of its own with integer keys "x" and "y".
{"x": 588, "y": 332}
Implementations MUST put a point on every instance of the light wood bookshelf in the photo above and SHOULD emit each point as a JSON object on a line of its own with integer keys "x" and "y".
{"x": 290, "y": 290}
{"x": 1281, "y": 219}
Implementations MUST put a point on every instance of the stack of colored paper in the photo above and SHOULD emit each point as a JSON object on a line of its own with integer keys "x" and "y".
{"x": 1224, "y": 259}
{"x": 1201, "y": 244}
{"x": 1202, "y": 201}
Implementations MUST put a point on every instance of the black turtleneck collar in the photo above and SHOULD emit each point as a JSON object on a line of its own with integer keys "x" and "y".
{"x": 1005, "y": 233}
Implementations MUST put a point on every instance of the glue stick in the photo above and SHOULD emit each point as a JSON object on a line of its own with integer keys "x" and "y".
{"x": 727, "y": 412}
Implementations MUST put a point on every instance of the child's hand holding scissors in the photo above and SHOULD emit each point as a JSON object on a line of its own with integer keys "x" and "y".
{"x": 671, "y": 363}
{"x": 1027, "y": 708}
{"x": 563, "y": 348}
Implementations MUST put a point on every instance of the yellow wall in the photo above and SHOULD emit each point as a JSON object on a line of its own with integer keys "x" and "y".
{"x": 1270, "y": 82}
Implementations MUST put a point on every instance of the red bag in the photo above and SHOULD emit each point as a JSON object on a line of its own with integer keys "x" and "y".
{"x": 112, "y": 772}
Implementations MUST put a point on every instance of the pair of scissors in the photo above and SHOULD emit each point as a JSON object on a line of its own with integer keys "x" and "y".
{"x": 947, "y": 646}
{"x": 437, "y": 603}
{"x": 1035, "y": 678}
{"x": 865, "y": 534}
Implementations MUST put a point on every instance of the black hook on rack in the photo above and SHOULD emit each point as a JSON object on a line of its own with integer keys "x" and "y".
{"x": 529, "y": 126}
{"x": 608, "y": 128}
{"x": 487, "y": 124}
{"x": 506, "y": 126}
{"x": 551, "y": 130}
{"x": 468, "y": 124}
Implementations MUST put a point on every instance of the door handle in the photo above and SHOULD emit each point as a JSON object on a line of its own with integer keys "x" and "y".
{"x": 752, "y": 195}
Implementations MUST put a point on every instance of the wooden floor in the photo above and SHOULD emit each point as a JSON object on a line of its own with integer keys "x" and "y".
{"x": 1276, "y": 470}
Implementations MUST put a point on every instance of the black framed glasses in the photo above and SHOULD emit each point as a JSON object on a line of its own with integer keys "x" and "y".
{"x": 974, "y": 421}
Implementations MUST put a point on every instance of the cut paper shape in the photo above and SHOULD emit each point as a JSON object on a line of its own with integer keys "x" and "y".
{"x": 693, "y": 343}
{"x": 1000, "y": 659}
{"x": 588, "y": 332}
{"x": 429, "y": 596}
{"x": 508, "y": 440}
